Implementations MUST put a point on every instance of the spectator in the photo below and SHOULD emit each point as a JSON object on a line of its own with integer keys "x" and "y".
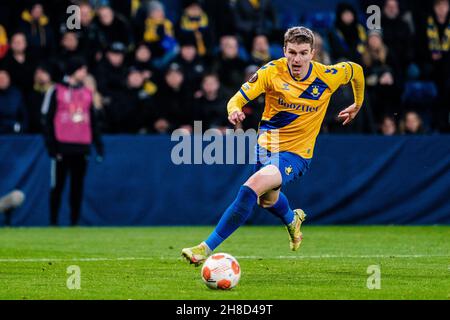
{"x": 260, "y": 54}
{"x": 42, "y": 82}
{"x": 143, "y": 62}
{"x": 397, "y": 34}
{"x": 70, "y": 129}
{"x": 69, "y": 48}
{"x": 129, "y": 107}
{"x": 174, "y": 103}
{"x": 382, "y": 79}
{"x": 435, "y": 57}
{"x": 3, "y": 42}
{"x": 10, "y": 11}
{"x": 126, "y": 8}
{"x": 191, "y": 64}
{"x": 97, "y": 101}
{"x": 210, "y": 104}
{"x": 320, "y": 55}
{"x": 143, "y": 58}
{"x": 13, "y": 117}
{"x": 412, "y": 123}
{"x": 228, "y": 65}
{"x": 388, "y": 126}
{"x": 111, "y": 71}
{"x": 437, "y": 46}
{"x": 220, "y": 17}
{"x": 87, "y": 36}
{"x": 253, "y": 17}
{"x": 35, "y": 26}
{"x": 20, "y": 63}
{"x": 69, "y": 44}
{"x": 348, "y": 38}
{"x": 157, "y": 31}
{"x": 195, "y": 22}
{"x": 111, "y": 76}
{"x": 112, "y": 28}
{"x": 142, "y": 111}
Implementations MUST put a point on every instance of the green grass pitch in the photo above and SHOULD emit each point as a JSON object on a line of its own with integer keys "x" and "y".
{"x": 145, "y": 263}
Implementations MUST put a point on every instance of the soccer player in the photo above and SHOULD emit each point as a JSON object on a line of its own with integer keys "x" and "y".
{"x": 298, "y": 91}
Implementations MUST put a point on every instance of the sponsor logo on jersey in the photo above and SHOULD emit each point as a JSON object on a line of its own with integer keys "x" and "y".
{"x": 300, "y": 107}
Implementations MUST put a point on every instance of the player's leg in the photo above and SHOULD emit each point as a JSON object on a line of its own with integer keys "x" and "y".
{"x": 78, "y": 168}
{"x": 265, "y": 179}
{"x": 291, "y": 167}
{"x": 59, "y": 170}
{"x": 237, "y": 213}
{"x": 277, "y": 203}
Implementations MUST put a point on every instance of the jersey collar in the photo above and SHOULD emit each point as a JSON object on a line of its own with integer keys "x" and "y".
{"x": 305, "y": 77}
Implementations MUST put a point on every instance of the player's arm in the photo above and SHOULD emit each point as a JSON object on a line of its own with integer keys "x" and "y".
{"x": 48, "y": 112}
{"x": 256, "y": 85}
{"x": 234, "y": 107}
{"x": 354, "y": 73}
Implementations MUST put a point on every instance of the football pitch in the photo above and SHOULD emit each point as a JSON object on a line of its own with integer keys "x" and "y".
{"x": 339, "y": 262}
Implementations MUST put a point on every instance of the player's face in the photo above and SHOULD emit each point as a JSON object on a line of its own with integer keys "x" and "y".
{"x": 298, "y": 57}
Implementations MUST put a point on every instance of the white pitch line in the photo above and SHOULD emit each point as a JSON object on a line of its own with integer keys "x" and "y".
{"x": 77, "y": 259}
{"x": 326, "y": 256}
{"x": 96, "y": 259}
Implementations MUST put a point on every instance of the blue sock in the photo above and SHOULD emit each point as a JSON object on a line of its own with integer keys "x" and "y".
{"x": 235, "y": 216}
{"x": 282, "y": 210}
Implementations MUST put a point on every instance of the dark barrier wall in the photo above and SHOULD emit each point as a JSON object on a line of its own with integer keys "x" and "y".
{"x": 352, "y": 180}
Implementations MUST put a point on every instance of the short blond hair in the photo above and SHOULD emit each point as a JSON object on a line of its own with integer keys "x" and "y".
{"x": 299, "y": 35}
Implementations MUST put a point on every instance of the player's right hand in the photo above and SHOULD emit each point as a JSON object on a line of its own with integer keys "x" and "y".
{"x": 236, "y": 117}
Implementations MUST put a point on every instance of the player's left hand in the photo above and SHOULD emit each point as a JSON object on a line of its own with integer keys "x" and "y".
{"x": 348, "y": 114}
{"x": 236, "y": 117}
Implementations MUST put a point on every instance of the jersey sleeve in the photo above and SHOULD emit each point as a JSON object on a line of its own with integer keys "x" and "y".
{"x": 344, "y": 73}
{"x": 257, "y": 84}
{"x": 339, "y": 74}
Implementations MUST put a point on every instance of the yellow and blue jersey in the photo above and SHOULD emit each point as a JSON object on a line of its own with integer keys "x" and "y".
{"x": 295, "y": 108}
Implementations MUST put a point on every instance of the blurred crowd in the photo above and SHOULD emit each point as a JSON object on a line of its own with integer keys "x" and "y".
{"x": 153, "y": 70}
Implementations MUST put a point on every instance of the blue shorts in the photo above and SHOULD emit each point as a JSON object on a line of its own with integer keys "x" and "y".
{"x": 291, "y": 165}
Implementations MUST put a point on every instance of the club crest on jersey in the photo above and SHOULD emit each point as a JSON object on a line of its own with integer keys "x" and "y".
{"x": 288, "y": 170}
{"x": 286, "y": 86}
{"x": 315, "y": 91}
{"x": 253, "y": 78}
